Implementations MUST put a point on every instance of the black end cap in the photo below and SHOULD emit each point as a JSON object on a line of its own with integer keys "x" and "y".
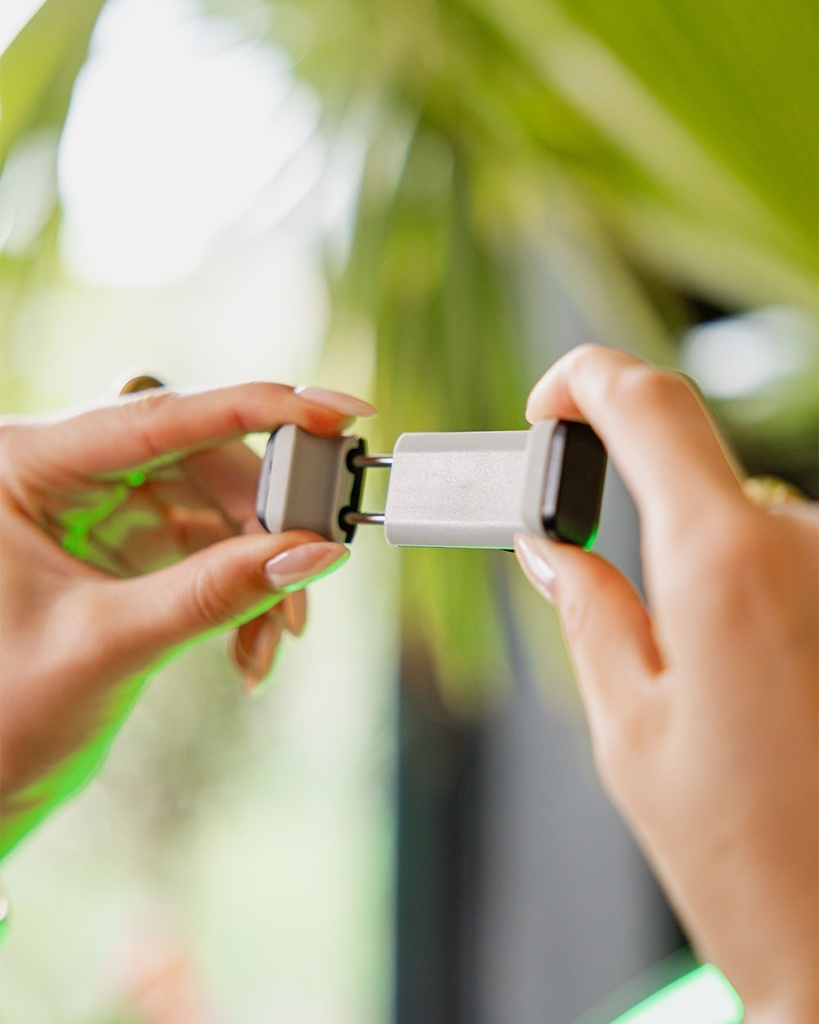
{"x": 574, "y": 494}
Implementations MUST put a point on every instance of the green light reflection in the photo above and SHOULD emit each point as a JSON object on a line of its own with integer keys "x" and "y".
{"x": 703, "y": 995}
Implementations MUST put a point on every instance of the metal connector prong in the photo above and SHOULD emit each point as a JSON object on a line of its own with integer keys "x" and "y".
{"x": 369, "y": 461}
{"x": 363, "y": 518}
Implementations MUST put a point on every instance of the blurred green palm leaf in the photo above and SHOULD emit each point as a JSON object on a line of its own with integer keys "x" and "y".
{"x": 690, "y": 126}
{"x": 38, "y": 68}
{"x": 665, "y": 140}
{"x": 665, "y": 148}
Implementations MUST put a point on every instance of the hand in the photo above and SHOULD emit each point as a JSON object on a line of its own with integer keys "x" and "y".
{"x": 126, "y": 533}
{"x": 703, "y": 706}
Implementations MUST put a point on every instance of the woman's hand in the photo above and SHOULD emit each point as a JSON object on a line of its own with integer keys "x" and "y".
{"x": 127, "y": 532}
{"x": 703, "y": 706}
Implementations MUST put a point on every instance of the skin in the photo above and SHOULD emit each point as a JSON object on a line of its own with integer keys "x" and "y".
{"x": 702, "y": 705}
{"x": 128, "y": 532}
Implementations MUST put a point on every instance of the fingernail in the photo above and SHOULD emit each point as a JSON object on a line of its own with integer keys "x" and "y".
{"x": 141, "y": 383}
{"x": 298, "y": 566}
{"x": 255, "y": 683}
{"x": 258, "y": 660}
{"x": 533, "y": 557}
{"x": 335, "y": 400}
{"x": 294, "y": 607}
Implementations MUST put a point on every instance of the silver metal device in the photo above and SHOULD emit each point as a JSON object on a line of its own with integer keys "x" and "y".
{"x": 471, "y": 489}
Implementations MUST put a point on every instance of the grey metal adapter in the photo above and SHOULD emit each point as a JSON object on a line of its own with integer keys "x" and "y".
{"x": 473, "y": 489}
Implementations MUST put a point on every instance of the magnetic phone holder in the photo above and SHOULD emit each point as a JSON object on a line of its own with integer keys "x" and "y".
{"x": 474, "y": 489}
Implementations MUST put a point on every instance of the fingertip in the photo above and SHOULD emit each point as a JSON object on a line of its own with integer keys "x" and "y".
{"x": 218, "y": 586}
{"x": 255, "y": 648}
{"x": 294, "y": 607}
{"x": 550, "y": 397}
{"x": 301, "y": 564}
{"x": 534, "y": 401}
{"x": 534, "y": 558}
{"x": 337, "y": 401}
{"x": 604, "y": 621}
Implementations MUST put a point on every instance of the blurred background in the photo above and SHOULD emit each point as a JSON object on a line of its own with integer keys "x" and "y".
{"x": 423, "y": 202}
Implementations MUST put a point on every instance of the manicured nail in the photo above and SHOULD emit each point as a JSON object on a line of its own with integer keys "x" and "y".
{"x": 254, "y": 684}
{"x": 336, "y": 400}
{"x": 257, "y": 658}
{"x": 298, "y": 566}
{"x": 294, "y": 607}
{"x": 533, "y": 557}
{"x": 141, "y": 383}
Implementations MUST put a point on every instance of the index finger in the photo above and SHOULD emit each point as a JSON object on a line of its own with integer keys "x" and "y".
{"x": 150, "y": 426}
{"x": 655, "y": 428}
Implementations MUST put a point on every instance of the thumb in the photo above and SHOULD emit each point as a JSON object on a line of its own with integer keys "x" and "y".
{"x": 606, "y": 627}
{"x": 221, "y": 585}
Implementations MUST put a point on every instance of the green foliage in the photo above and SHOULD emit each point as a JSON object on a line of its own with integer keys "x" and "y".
{"x": 664, "y": 148}
{"x": 38, "y": 69}
{"x": 448, "y": 358}
{"x": 689, "y": 128}
{"x": 669, "y": 146}
{"x": 37, "y": 74}
{"x": 740, "y": 78}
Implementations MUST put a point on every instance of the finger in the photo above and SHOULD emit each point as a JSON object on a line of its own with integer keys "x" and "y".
{"x": 607, "y": 629}
{"x": 147, "y": 427}
{"x": 656, "y": 431}
{"x": 225, "y": 584}
{"x": 255, "y": 646}
{"x": 227, "y": 477}
{"x": 179, "y": 493}
{"x": 294, "y": 607}
{"x": 149, "y": 546}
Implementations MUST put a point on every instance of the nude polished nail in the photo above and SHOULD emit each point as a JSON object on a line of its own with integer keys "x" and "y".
{"x": 294, "y": 609}
{"x": 298, "y": 566}
{"x": 262, "y": 656}
{"x": 347, "y": 405}
{"x": 533, "y": 557}
{"x": 256, "y": 646}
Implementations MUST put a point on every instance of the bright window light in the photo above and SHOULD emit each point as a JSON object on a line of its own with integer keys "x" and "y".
{"x": 740, "y": 356}
{"x": 176, "y": 128}
{"x": 14, "y": 14}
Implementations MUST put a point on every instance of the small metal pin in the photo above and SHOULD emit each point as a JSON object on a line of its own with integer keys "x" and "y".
{"x": 368, "y": 461}
{"x": 363, "y": 518}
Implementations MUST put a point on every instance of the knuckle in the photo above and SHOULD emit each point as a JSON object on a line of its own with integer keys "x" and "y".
{"x": 587, "y": 352}
{"x": 142, "y": 412}
{"x": 650, "y": 388}
{"x": 212, "y": 605}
